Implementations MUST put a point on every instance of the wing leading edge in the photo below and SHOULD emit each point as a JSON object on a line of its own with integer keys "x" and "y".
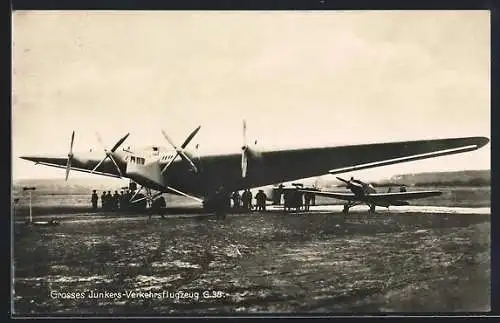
{"x": 377, "y": 197}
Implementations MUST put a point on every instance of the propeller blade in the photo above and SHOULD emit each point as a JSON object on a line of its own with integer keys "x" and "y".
{"x": 71, "y": 144}
{"x": 100, "y": 140}
{"x": 70, "y": 154}
{"x": 186, "y": 158}
{"x": 180, "y": 151}
{"x": 244, "y": 133}
{"x": 244, "y": 157}
{"x": 168, "y": 139}
{"x": 188, "y": 139}
{"x": 120, "y": 142}
{"x": 102, "y": 161}
{"x": 68, "y": 167}
{"x": 342, "y": 180}
{"x": 116, "y": 165}
{"x": 243, "y": 164}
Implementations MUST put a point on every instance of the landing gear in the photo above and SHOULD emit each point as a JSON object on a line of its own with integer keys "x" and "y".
{"x": 347, "y": 206}
{"x": 147, "y": 200}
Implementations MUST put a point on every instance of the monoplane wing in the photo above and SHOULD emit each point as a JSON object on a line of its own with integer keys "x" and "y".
{"x": 377, "y": 197}
{"x": 106, "y": 168}
{"x": 403, "y": 196}
{"x": 336, "y": 195}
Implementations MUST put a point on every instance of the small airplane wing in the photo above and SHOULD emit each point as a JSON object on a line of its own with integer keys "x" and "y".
{"x": 403, "y": 196}
{"x": 336, "y": 195}
{"x": 378, "y": 197}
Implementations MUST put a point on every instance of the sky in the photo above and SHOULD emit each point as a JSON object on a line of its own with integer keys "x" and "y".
{"x": 299, "y": 78}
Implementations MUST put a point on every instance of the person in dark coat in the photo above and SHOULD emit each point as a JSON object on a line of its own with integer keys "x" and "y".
{"x": 94, "y": 200}
{"x": 236, "y": 200}
{"x": 103, "y": 201}
{"x": 158, "y": 207}
{"x": 247, "y": 200}
{"x": 116, "y": 201}
{"x": 307, "y": 200}
{"x": 260, "y": 198}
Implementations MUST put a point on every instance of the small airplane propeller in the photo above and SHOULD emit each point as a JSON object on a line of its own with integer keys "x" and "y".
{"x": 109, "y": 153}
{"x": 70, "y": 155}
{"x": 244, "y": 150}
{"x": 180, "y": 151}
{"x": 343, "y": 180}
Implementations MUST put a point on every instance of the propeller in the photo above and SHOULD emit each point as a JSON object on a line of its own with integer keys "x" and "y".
{"x": 109, "y": 153}
{"x": 343, "y": 180}
{"x": 70, "y": 155}
{"x": 244, "y": 149}
{"x": 180, "y": 151}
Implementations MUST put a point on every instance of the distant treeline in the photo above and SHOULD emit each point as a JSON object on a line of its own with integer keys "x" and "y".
{"x": 470, "y": 182}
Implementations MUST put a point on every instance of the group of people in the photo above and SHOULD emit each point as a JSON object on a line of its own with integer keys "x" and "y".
{"x": 292, "y": 198}
{"x": 295, "y": 199}
{"x": 244, "y": 202}
{"x": 117, "y": 201}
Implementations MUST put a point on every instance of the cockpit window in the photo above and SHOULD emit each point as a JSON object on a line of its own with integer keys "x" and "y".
{"x": 132, "y": 159}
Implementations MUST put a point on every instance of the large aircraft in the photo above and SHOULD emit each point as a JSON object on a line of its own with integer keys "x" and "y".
{"x": 205, "y": 178}
{"x": 364, "y": 193}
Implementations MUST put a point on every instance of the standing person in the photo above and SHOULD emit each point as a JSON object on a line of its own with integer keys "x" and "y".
{"x": 297, "y": 199}
{"x": 280, "y": 192}
{"x": 247, "y": 200}
{"x": 109, "y": 201}
{"x": 116, "y": 200}
{"x": 94, "y": 200}
{"x": 260, "y": 198}
{"x": 236, "y": 200}
{"x": 103, "y": 201}
{"x": 313, "y": 198}
{"x": 126, "y": 200}
{"x": 122, "y": 201}
{"x": 286, "y": 200}
{"x": 307, "y": 201}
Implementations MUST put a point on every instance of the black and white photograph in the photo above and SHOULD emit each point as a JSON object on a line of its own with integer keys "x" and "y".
{"x": 228, "y": 163}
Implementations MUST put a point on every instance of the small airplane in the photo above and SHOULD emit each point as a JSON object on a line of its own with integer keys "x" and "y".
{"x": 205, "y": 178}
{"x": 365, "y": 193}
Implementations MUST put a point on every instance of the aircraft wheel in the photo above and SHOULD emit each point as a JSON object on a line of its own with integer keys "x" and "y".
{"x": 372, "y": 208}
{"x": 346, "y": 209}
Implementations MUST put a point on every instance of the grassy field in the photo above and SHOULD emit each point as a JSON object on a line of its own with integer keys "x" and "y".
{"x": 261, "y": 263}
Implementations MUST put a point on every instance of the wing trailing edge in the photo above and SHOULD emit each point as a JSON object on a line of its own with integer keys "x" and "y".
{"x": 480, "y": 142}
